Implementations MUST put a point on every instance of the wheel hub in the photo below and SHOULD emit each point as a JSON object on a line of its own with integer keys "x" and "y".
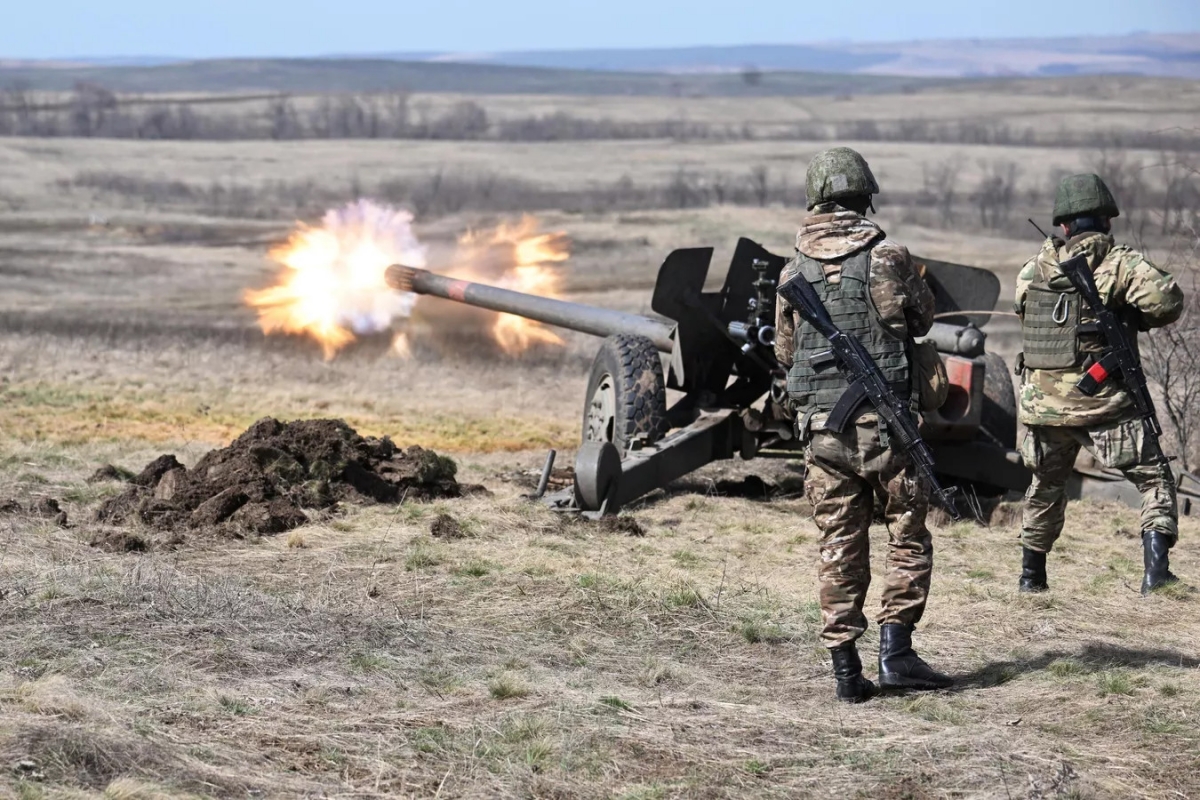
{"x": 602, "y": 412}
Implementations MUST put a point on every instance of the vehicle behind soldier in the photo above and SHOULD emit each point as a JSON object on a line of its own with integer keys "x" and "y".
{"x": 1061, "y": 342}
{"x": 871, "y": 289}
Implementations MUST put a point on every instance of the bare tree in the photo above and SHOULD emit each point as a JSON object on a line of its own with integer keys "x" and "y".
{"x": 88, "y": 107}
{"x": 284, "y": 122}
{"x": 940, "y": 186}
{"x": 996, "y": 193}
{"x": 1172, "y": 359}
{"x": 760, "y": 184}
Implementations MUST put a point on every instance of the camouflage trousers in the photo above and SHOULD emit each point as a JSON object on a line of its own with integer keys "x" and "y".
{"x": 1050, "y": 451}
{"x": 847, "y": 472}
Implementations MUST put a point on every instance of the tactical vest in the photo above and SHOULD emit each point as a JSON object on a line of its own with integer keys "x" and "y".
{"x": 1058, "y": 330}
{"x": 814, "y": 382}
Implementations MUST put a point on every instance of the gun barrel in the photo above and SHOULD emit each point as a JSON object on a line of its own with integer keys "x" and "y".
{"x": 573, "y": 316}
{"x": 963, "y": 340}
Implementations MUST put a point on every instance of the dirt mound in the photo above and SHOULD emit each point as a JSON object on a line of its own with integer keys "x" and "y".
{"x": 110, "y": 473}
{"x": 41, "y": 507}
{"x": 261, "y": 482}
{"x": 626, "y": 525}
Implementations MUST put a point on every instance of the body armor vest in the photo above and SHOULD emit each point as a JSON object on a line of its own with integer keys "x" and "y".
{"x": 1058, "y": 330}
{"x": 814, "y": 382}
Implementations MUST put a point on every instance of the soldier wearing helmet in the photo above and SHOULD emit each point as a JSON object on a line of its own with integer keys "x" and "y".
{"x": 872, "y": 290}
{"x": 1060, "y": 343}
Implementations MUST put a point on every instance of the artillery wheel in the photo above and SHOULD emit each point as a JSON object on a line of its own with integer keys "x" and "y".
{"x": 597, "y": 470}
{"x": 626, "y": 394}
{"x": 999, "y": 415}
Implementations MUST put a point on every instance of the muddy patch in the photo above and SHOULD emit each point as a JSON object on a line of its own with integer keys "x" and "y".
{"x": 264, "y": 482}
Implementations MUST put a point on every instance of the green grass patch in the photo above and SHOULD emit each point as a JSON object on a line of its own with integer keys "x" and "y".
{"x": 756, "y": 767}
{"x": 234, "y": 706}
{"x": 367, "y": 662}
{"x": 933, "y": 709}
{"x": 589, "y": 580}
{"x": 475, "y": 568}
{"x": 1160, "y": 722}
{"x": 980, "y": 574}
{"x": 686, "y": 558}
{"x": 615, "y": 703}
{"x": 1174, "y": 591}
{"x": 507, "y": 687}
{"x": 1067, "y": 668}
{"x": 682, "y": 596}
{"x": 1119, "y": 682}
{"x": 435, "y": 739}
{"x": 422, "y": 556}
{"x": 1123, "y": 565}
{"x": 756, "y": 631}
{"x": 88, "y": 493}
{"x": 439, "y": 679}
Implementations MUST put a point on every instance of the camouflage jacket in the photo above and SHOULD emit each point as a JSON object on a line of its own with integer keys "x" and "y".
{"x": 902, "y": 299}
{"x": 1125, "y": 279}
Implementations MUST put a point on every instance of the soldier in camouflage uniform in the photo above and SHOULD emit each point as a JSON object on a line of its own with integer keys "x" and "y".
{"x": 1060, "y": 342}
{"x": 871, "y": 289}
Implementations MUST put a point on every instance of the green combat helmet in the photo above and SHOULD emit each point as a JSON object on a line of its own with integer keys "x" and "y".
{"x": 1083, "y": 196}
{"x": 837, "y": 173}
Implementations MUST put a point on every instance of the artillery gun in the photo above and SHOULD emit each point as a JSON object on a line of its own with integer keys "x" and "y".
{"x": 717, "y": 348}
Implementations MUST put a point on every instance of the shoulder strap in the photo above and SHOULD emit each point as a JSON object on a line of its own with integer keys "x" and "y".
{"x": 812, "y": 270}
{"x": 858, "y": 266}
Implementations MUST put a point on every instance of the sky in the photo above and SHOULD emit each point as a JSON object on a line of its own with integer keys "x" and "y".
{"x": 219, "y": 28}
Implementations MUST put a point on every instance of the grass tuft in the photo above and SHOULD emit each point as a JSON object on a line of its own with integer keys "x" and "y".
{"x": 234, "y": 706}
{"x": 1119, "y": 682}
{"x": 475, "y": 568}
{"x": 933, "y": 709}
{"x": 422, "y": 556}
{"x": 615, "y": 703}
{"x": 682, "y": 596}
{"x": 507, "y": 687}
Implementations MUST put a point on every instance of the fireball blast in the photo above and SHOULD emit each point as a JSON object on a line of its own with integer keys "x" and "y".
{"x": 717, "y": 350}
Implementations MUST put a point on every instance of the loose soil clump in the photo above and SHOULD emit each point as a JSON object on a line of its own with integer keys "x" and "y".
{"x": 41, "y": 507}
{"x": 262, "y": 482}
{"x": 445, "y": 526}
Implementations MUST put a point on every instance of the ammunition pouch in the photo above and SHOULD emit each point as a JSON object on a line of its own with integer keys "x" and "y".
{"x": 933, "y": 384}
{"x": 1050, "y": 329}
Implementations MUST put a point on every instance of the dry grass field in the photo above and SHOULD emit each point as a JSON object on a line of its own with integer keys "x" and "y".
{"x": 536, "y": 656}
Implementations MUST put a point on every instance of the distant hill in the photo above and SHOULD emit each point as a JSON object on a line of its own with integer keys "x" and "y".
{"x": 367, "y": 75}
{"x": 809, "y": 69}
{"x": 1161, "y": 55}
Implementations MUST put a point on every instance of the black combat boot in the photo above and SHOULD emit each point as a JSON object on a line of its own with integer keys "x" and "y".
{"x": 852, "y": 687}
{"x": 1033, "y": 571}
{"x": 1155, "y": 547}
{"x": 900, "y": 667}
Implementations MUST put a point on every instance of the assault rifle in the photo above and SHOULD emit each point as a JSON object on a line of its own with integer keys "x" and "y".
{"x": 867, "y": 384}
{"x": 1122, "y": 357}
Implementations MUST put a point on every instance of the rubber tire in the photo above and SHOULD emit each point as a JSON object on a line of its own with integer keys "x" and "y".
{"x": 999, "y": 416}
{"x": 641, "y": 392}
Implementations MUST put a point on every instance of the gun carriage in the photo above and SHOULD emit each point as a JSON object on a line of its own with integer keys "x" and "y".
{"x": 716, "y": 347}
